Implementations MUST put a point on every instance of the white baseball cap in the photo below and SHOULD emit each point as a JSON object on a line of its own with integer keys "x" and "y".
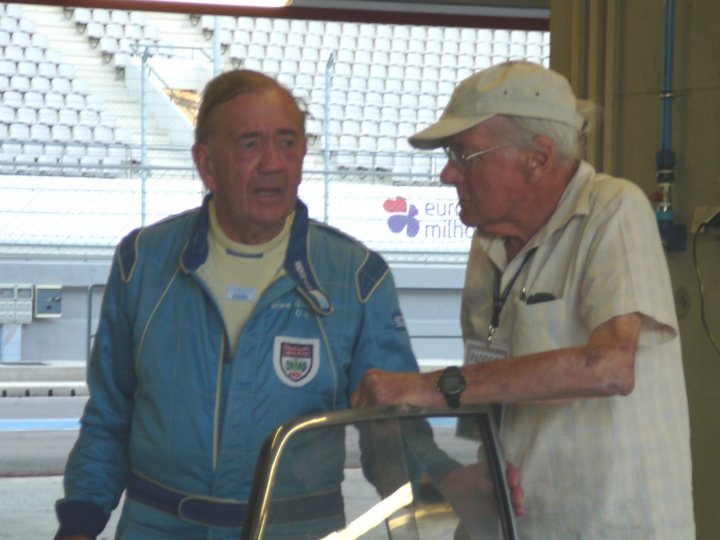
{"x": 512, "y": 88}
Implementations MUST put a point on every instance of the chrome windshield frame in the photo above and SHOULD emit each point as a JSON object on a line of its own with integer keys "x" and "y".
{"x": 257, "y": 510}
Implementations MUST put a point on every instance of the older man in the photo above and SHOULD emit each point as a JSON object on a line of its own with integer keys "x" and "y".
{"x": 218, "y": 325}
{"x": 567, "y": 315}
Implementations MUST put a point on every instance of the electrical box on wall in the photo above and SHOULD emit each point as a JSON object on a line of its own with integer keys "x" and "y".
{"x": 16, "y": 303}
{"x": 48, "y": 301}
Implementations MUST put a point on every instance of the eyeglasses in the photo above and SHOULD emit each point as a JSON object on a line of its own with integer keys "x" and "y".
{"x": 463, "y": 161}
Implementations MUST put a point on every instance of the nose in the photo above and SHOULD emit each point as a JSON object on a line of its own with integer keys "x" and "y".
{"x": 271, "y": 157}
{"x": 451, "y": 174}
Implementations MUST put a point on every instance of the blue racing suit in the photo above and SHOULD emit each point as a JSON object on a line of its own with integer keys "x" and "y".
{"x": 171, "y": 407}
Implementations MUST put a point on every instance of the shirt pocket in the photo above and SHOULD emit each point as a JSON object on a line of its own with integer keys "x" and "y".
{"x": 545, "y": 326}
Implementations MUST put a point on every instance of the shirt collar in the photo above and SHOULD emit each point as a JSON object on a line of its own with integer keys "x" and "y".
{"x": 297, "y": 257}
{"x": 575, "y": 201}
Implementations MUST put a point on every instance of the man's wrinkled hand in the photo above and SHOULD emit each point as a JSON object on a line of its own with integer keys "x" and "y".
{"x": 379, "y": 387}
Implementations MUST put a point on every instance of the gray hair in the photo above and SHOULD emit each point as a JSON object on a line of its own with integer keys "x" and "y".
{"x": 568, "y": 139}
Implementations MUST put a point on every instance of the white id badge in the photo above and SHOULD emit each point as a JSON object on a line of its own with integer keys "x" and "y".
{"x": 477, "y": 352}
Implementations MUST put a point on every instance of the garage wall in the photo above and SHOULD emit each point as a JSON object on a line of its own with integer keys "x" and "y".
{"x": 613, "y": 52}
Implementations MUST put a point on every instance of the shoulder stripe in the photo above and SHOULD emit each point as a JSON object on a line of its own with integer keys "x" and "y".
{"x": 127, "y": 254}
{"x": 370, "y": 274}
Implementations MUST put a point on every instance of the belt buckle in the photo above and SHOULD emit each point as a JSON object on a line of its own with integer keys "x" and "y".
{"x": 185, "y": 510}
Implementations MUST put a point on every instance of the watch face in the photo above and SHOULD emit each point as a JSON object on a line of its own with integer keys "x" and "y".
{"x": 451, "y": 381}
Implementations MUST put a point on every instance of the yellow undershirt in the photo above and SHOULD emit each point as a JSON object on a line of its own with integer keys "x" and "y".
{"x": 238, "y": 273}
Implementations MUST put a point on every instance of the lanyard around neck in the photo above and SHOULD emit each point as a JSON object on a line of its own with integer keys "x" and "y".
{"x": 499, "y": 298}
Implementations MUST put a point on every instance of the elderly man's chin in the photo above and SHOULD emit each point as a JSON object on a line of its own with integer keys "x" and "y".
{"x": 469, "y": 217}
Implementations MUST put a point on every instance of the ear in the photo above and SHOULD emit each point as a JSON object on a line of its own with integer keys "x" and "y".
{"x": 542, "y": 155}
{"x": 204, "y": 165}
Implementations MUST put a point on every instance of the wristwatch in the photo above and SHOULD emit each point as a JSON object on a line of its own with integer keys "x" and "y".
{"x": 451, "y": 384}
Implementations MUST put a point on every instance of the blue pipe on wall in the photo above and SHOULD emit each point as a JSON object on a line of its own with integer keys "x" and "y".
{"x": 667, "y": 73}
{"x": 666, "y": 157}
{"x": 672, "y": 234}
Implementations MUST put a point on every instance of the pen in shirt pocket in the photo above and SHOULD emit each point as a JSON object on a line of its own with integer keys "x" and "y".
{"x": 535, "y": 298}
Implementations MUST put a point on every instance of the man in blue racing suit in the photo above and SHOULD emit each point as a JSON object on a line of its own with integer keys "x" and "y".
{"x": 218, "y": 325}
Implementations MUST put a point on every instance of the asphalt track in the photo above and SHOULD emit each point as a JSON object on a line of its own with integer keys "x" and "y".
{"x": 36, "y": 435}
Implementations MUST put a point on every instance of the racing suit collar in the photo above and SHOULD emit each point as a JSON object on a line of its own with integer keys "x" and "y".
{"x": 297, "y": 261}
{"x": 298, "y": 265}
{"x": 195, "y": 251}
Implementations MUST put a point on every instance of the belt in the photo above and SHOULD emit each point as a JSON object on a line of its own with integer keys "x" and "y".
{"x": 216, "y": 512}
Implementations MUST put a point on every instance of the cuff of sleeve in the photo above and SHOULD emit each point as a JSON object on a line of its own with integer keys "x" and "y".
{"x": 80, "y": 518}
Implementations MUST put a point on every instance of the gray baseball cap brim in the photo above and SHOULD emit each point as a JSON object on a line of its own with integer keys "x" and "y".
{"x": 435, "y": 135}
{"x": 512, "y": 88}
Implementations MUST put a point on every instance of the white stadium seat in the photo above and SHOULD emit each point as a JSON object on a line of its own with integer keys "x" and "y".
{"x": 60, "y": 133}
{"x": 138, "y": 18}
{"x": 60, "y": 85}
{"x": 14, "y": 53}
{"x": 450, "y": 48}
{"x": 47, "y": 69}
{"x": 114, "y": 30}
{"x": 262, "y": 23}
{"x": 8, "y": 23}
{"x": 101, "y": 16}
{"x": 54, "y": 100}
{"x": 120, "y": 17}
{"x": 13, "y": 98}
{"x": 484, "y": 36}
{"x": 68, "y": 117}
{"x": 20, "y": 83}
{"x": 33, "y": 99}
{"x": 48, "y": 116}
{"x": 80, "y": 86}
{"x": 34, "y": 53}
{"x": 88, "y": 117}
{"x": 48, "y": 162}
{"x": 75, "y": 101}
{"x": 82, "y": 134}
{"x": 82, "y": 18}
{"x": 245, "y": 23}
{"x": 94, "y": 31}
{"x": 333, "y": 28}
{"x": 40, "y": 132}
{"x": 8, "y": 69}
{"x": 7, "y": 114}
{"x": 133, "y": 31}
{"x": 18, "y": 131}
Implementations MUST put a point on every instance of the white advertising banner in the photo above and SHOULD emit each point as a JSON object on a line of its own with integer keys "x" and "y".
{"x": 418, "y": 219}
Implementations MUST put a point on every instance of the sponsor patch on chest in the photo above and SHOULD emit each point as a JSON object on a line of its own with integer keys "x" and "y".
{"x": 296, "y": 360}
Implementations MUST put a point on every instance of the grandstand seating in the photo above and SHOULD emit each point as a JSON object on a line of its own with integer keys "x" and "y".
{"x": 117, "y": 34}
{"x": 386, "y": 81}
{"x": 390, "y": 67}
{"x": 44, "y": 103}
